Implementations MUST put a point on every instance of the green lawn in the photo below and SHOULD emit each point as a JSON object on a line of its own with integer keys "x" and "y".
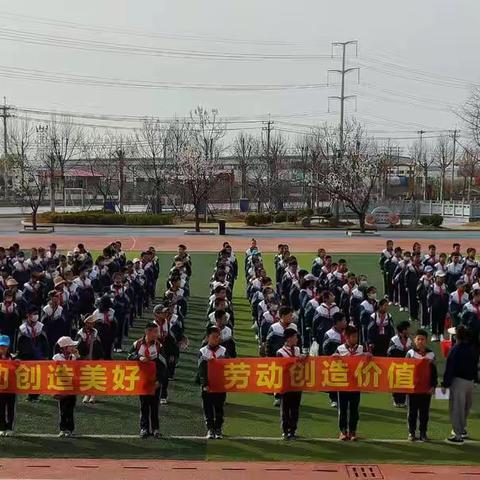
{"x": 246, "y": 415}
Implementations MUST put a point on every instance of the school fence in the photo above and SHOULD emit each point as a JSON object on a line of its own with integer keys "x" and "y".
{"x": 81, "y": 377}
{"x": 356, "y": 373}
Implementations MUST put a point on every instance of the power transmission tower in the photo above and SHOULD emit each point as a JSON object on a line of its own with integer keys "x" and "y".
{"x": 455, "y": 134}
{"x": 5, "y": 109}
{"x": 342, "y": 96}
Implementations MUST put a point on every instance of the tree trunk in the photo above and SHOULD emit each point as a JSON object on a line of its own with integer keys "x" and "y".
{"x": 197, "y": 218}
{"x": 34, "y": 218}
{"x": 361, "y": 221}
{"x": 425, "y": 181}
{"x": 442, "y": 187}
{"x": 52, "y": 194}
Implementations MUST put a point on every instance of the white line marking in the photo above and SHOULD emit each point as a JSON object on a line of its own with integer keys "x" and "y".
{"x": 198, "y": 437}
{"x": 134, "y": 243}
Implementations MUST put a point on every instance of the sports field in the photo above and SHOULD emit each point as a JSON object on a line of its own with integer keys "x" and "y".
{"x": 252, "y": 422}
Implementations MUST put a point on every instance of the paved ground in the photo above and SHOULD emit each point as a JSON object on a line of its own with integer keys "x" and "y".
{"x": 158, "y": 470}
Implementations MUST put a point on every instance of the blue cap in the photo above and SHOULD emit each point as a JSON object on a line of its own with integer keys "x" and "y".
{"x": 4, "y": 341}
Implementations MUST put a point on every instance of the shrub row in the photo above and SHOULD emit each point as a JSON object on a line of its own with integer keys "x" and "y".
{"x": 434, "y": 220}
{"x": 254, "y": 219}
{"x": 99, "y": 217}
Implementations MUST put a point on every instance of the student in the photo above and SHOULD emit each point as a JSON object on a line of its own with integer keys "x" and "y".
{"x": 213, "y": 403}
{"x": 349, "y": 402}
{"x": 412, "y": 276}
{"x": 106, "y": 325}
{"x": 457, "y": 300}
{"x": 7, "y": 400}
{"x": 367, "y": 309}
{"x": 385, "y": 256}
{"x": 419, "y": 403}
{"x": 454, "y": 271}
{"x": 438, "y": 304}
{"x": 275, "y": 340}
{"x": 399, "y": 282}
{"x": 148, "y": 349}
{"x": 89, "y": 346}
{"x": 460, "y": 374}
{"x": 423, "y": 290}
{"x": 32, "y": 342}
{"x": 9, "y": 316}
{"x": 333, "y": 339}
{"x": 66, "y": 403}
{"x": 380, "y": 330}
{"x": 400, "y": 344}
{"x": 290, "y": 401}
{"x": 323, "y": 318}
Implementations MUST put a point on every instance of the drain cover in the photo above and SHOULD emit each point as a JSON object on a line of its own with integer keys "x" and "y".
{"x": 364, "y": 471}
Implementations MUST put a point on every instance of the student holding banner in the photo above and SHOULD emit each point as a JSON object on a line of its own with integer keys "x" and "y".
{"x": 7, "y": 400}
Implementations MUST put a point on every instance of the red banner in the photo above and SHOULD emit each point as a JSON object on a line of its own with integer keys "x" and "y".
{"x": 314, "y": 374}
{"x": 82, "y": 377}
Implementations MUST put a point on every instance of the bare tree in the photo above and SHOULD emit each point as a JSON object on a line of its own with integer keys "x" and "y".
{"x": 246, "y": 149}
{"x": 353, "y": 176}
{"x": 30, "y": 184}
{"x": 419, "y": 152}
{"x": 469, "y": 169}
{"x": 470, "y": 114}
{"x": 62, "y": 141}
{"x": 197, "y": 165}
{"x": 152, "y": 147}
{"x": 443, "y": 158}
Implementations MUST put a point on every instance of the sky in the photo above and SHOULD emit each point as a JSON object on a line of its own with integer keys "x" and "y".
{"x": 247, "y": 58}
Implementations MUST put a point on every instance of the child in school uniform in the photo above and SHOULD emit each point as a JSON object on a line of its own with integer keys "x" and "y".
{"x": 380, "y": 330}
{"x": 148, "y": 349}
{"x": 89, "y": 346}
{"x": 333, "y": 339}
{"x": 66, "y": 403}
{"x": 400, "y": 344}
{"x": 7, "y": 400}
{"x": 419, "y": 403}
{"x": 290, "y": 401}
{"x": 349, "y": 402}
{"x": 213, "y": 403}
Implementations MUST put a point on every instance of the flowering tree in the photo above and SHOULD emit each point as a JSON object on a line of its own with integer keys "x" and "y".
{"x": 197, "y": 165}
{"x": 351, "y": 177}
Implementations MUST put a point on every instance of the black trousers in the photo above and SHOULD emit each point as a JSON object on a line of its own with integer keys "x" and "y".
{"x": 7, "y": 411}
{"x": 425, "y": 318}
{"x": 438, "y": 323}
{"x": 149, "y": 405}
{"x": 418, "y": 409}
{"x": 348, "y": 404}
{"x": 67, "y": 406}
{"x": 289, "y": 409}
{"x": 164, "y": 387}
{"x": 213, "y": 404}
{"x": 399, "y": 398}
{"x": 413, "y": 304}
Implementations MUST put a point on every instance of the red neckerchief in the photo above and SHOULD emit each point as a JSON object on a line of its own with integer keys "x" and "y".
{"x": 117, "y": 289}
{"x": 342, "y": 337}
{"x": 352, "y": 350}
{"x": 147, "y": 350}
{"x": 89, "y": 337}
{"x": 32, "y": 333}
{"x": 459, "y": 298}
{"x": 381, "y": 325}
{"x": 403, "y": 341}
{"x": 106, "y": 318}
{"x": 213, "y": 352}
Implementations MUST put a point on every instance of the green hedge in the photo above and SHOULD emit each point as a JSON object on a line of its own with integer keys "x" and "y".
{"x": 99, "y": 217}
{"x": 254, "y": 219}
{"x": 434, "y": 220}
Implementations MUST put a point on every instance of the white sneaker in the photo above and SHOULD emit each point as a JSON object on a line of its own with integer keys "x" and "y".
{"x": 2, "y": 433}
{"x": 9, "y": 433}
{"x": 390, "y": 303}
{"x": 333, "y": 404}
{"x": 62, "y": 434}
{"x": 401, "y": 309}
{"x": 163, "y": 401}
{"x": 92, "y": 399}
{"x": 276, "y": 402}
{"x": 86, "y": 398}
{"x": 210, "y": 435}
{"x": 434, "y": 338}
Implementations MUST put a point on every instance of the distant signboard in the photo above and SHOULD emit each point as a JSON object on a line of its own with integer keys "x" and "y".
{"x": 382, "y": 217}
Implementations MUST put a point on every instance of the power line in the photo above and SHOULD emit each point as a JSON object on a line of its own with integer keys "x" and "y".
{"x": 88, "y": 80}
{"x": 33, "y": 38}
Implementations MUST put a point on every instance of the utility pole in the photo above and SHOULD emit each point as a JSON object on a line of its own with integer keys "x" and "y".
{"x": 5, "y": 114}
{"x": 455, "y": 134}
{"x": 268, "y": 128}
{"x": 422, "y": 164}
{"x": 342, "y": 96}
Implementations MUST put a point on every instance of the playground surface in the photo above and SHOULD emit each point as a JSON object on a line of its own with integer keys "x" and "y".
{"x": 108, "y": 430}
